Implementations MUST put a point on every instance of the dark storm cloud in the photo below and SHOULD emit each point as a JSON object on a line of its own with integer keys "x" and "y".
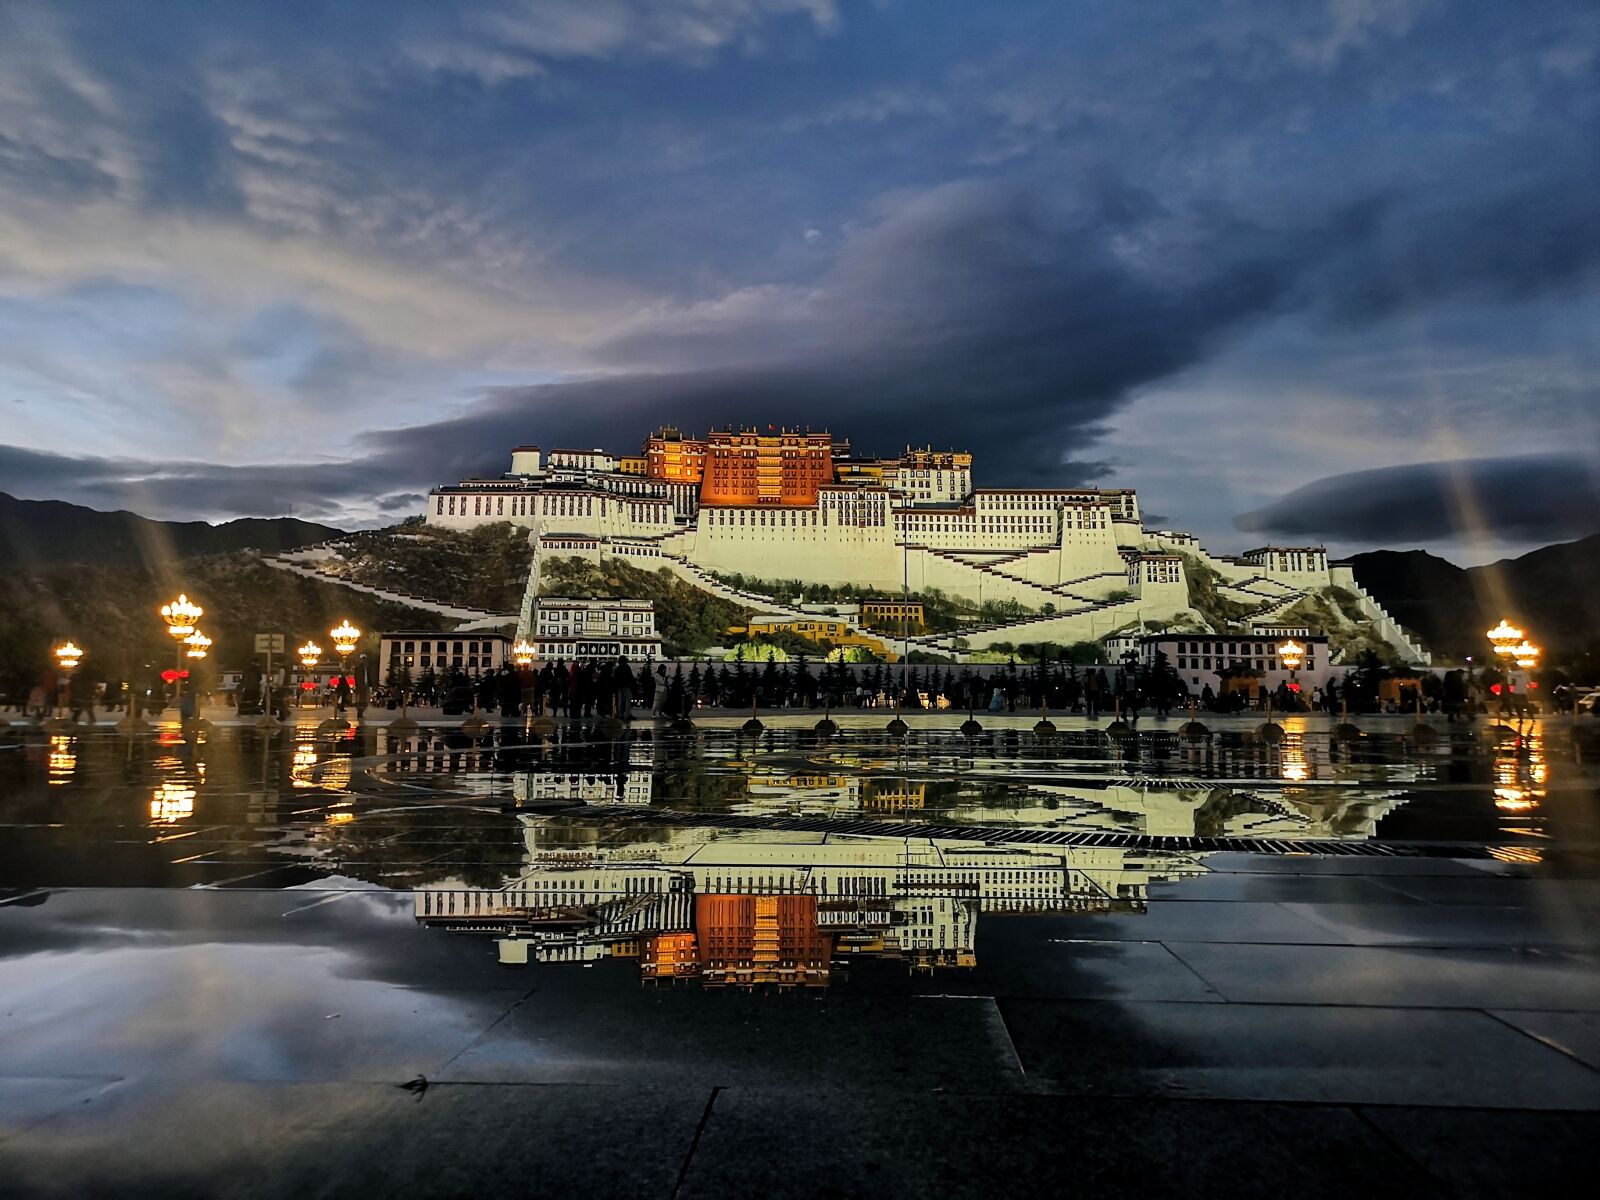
{"x": 971, "y": 315}
{"x": 186, "y": 491}
{"x": 1514, "y": 243}
{"x": 1014, "y": 330}
{"x": 1528, "y": 498}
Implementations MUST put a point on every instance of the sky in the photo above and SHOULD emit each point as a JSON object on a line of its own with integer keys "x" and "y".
{"x": 1322, "y": 271}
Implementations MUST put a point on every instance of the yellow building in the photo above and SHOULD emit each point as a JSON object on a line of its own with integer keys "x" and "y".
{"x": 889, "y": 613}
{"x": 818, "y": 629}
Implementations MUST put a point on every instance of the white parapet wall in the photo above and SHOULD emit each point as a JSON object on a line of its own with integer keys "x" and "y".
{"x": 1411, "y": 650}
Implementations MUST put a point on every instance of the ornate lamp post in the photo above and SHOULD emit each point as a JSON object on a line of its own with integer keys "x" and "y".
{"x": 67, "y": 656}
{"x": 345, "y": 639}
{"x": 522, "y": 653}
{"x": 198, "y": 644}
{"x": 345, "y": 636}
{"x": 181, "y": 616}
{"x": 1505, "y": 638}
{"x": 1526, "y": 655}
{"x": 1291, "y": 654}
{"x": 310, "y": 655}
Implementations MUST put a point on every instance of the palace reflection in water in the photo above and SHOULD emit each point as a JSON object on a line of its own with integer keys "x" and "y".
{"x": 730, "y": 860}
{"x": 780, "y": 907}
{"x": 645, "y": 869}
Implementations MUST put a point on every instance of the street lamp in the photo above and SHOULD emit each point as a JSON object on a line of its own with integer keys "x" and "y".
{"x": 1292, "y": 654}
{"x": 310, "y": 655}
{"x": 522, "y": 653}
{"x": 181, "y": 616}
{"x": 1525, "y": 655}
{"x": 345, "y": 638}
{"x": 68, "y": 655}
{"x": 198, "y": 644}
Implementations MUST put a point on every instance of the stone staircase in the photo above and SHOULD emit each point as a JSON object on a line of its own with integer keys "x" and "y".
{"x": 1024, "y": 591}
{"x": 1391, "y": 629}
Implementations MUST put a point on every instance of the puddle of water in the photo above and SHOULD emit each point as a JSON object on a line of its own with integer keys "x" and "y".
{"x": 732, "y": 860}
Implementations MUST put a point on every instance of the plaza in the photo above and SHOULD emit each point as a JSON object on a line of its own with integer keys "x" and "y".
{"x": 678, "y": 962}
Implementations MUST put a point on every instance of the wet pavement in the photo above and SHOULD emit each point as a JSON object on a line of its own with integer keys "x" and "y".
{"x": 678, "y": 963}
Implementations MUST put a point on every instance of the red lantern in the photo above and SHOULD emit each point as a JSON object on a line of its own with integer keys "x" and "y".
{"x": 1294, "y": 687}
{"x": 1494, "y": 689}
{"x": 308, "y": 686}
{"x": 169, "y": 676}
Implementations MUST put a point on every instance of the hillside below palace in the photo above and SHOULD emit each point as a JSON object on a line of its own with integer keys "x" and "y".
{"x": 794, "y": 504}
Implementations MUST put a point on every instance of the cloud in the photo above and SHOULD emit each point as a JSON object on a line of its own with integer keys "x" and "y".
{"x": 972, "y": 314}
{"x": 573, "y": 219}
{"x": 339, "y": 492}
{"x": 1509, "y": 243}
{"x": 501, "y": 41}
{"x": 1529, "y": 498}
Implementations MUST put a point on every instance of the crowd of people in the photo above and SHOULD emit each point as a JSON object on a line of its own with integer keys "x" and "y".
{"x": 601, "y": 687}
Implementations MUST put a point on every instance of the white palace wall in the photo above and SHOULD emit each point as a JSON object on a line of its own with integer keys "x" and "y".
{"x": 792, "y": 543}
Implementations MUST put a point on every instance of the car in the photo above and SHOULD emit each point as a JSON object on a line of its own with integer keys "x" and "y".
{"x": 1589, "y": 704}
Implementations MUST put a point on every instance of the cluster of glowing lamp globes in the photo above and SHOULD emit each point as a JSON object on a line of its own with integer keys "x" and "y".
{"x": 183, "y": 617}
{"x": 345, "y": 639}
{"x": 68, "y": 655}
{"x": 1510, "y": 645}
{"x": 1292, "y": 654}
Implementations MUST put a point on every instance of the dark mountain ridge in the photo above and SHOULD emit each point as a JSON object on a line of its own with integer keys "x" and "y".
{"x": 53, "y": 532}
{"x": 1553, "y": 592}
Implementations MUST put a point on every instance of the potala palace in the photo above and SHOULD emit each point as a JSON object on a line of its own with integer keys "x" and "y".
{"x": 798, "y": 505}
